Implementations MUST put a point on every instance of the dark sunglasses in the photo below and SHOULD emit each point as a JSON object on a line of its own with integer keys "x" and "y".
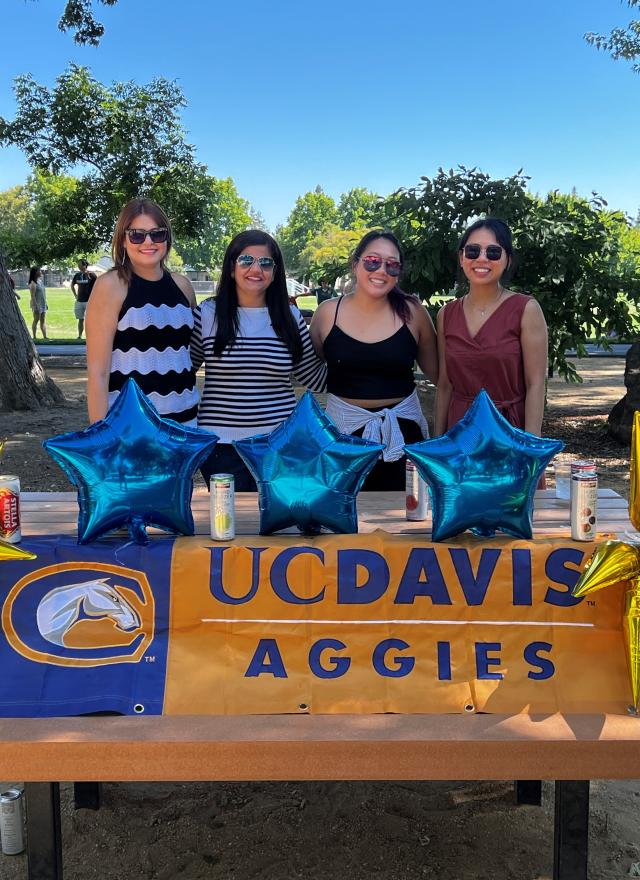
{"x": 391, "y": 267}
{"x": 157, "y": 236}
{"x": 246, "y": 260}
{"x": 492, "y": 252}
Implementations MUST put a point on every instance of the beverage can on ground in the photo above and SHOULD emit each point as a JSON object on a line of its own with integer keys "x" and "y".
{"x": 584, "y": 500}
{"x": 11, "y": 822}
{"x": 416, "y": 494}
{"x": 223, "y": 511}
{"x": 10, "y": 509}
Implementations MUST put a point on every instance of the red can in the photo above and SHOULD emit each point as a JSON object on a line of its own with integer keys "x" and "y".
{"x": 10, "y": 509}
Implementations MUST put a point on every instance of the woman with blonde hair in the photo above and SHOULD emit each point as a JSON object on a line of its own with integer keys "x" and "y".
{"x": 139, "y": 320}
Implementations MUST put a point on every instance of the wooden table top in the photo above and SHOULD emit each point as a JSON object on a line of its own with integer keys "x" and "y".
{"x": 45, "y": 513}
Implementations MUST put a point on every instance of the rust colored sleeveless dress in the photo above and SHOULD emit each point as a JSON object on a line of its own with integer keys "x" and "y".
{"x": 492, "y": 359}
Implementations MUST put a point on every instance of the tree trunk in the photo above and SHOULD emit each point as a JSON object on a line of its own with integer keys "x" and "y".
{"x": 24, "y": 385}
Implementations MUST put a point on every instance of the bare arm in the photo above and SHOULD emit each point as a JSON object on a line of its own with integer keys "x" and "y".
{"x": 534, "y": 342}
{"x": 186, "y": 287}
{"x": 423, "y": 329}
{"x": 100, "y": 325}
{"x": 443, "y": 394}
{"x": 73, "y": 287}
{"x": 32, "y": 289}
{"x": 321, "y": 324}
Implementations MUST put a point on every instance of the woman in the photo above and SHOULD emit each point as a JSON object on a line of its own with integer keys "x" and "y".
{"x": 38, "y": 301}
{"x": 251, "y": 340}
{"x": 491, "y": 338}
{"x": 370, "y": 339}
{"x": 139, "y": 320}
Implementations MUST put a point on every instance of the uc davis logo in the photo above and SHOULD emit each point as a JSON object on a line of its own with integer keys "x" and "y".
{"x": 80, "y": 614}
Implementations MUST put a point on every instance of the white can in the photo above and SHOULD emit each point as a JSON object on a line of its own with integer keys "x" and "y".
{"x": 11, "y": 822}
{"x": 584, "y": 501}
{"x": 416, "y": 494}
{"x": 10, "y": 509}
{"x": 223, "y": 508}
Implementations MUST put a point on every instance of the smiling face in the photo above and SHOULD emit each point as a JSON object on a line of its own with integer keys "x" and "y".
{"x": 377, "y": 283}
{"x": 252, "y": 281}
{"x": 482, "y": 271}
{"x": 146, "y": 257}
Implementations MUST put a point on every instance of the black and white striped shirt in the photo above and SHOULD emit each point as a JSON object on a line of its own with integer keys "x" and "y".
{"x": 151, "y": 344}
{"x": 247, "y": 389}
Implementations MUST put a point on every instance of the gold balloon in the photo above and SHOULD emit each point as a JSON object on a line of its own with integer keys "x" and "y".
{"x": 9, "y": 552}
{"x": 634, "y": 476}
{"x": 2, "y": 442}
{"x": 632, "y": 638}
{"x": 613, "y": 562}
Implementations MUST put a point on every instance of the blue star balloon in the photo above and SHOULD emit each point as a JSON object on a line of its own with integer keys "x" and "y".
{"x": 307, "y": 472}
{"x": 483, "y": 473}
{"x": 132, "y": 469}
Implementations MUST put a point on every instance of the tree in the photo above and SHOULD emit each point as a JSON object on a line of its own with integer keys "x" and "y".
{"x": 621, "y": 42}
{"x": 226, "y": 213}
{"x": 312, "y": 213}
{"x": 328, "y": 254}
{"x": 133, "y": 145}
{"x": 357, "y": 208}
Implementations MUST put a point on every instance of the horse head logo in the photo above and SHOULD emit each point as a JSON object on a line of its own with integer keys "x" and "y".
{"x": 60, "y": 609}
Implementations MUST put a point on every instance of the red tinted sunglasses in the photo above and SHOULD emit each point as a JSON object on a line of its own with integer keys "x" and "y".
{"x": 391, "y": 267}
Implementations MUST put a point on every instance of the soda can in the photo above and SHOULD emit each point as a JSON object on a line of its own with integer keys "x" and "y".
{"x": 584, "y": 500}
{"x": 223, "y": 510}
{"x": 11, "y": 822}
{"x": 416, "y": 494}
{"x": 10, "y": 509}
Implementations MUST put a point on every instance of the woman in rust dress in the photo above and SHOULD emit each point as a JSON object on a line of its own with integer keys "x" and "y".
{"x": 491, "y": 338}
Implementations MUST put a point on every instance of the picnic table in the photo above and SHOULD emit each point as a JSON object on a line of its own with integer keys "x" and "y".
{"x": 569, "y": 749}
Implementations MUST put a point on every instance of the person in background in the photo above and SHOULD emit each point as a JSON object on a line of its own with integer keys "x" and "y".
{"x": 492, "y": 337}
{"x": 251, "y": 340}
{"x": 38, "y": 301}
{"x": 12, "y": 285}
{"x": 371, "y": 339}
{"x": 139, "y": 320}
{"x": 81, "y": 287}
{"x": 325, "y": 291}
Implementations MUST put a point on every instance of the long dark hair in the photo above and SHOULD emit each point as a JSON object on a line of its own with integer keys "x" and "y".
{"x": 33, "y": 274}
{"x": 130, "y": 211}
{"x": 502, "y": 235}
{"x": 398, "y": 299}
{"x": 277, "y": 297}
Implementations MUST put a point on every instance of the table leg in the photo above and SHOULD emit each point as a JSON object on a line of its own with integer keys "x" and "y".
{"x": 571, "y": 837}
{"x": 86, "y": 795}
{"x": 528, "y": 791}
{"x": 44, "y": 841}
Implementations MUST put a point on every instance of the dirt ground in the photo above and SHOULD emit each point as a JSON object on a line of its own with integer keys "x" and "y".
{"x": 389, "y": 831}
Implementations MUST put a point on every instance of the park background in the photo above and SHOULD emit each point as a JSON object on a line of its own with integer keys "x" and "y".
{"x": 318, "y": 122}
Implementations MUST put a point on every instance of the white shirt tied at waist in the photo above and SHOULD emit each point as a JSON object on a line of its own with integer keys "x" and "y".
{"x": 381, "y": 425}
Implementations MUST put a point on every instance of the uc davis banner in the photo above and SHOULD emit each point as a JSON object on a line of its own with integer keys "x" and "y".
{"x": 357, "y": 623}
{"x": 380, "y": 623}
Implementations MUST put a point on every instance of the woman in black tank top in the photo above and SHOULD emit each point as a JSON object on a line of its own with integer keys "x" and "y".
{"x": 371, "y": 339}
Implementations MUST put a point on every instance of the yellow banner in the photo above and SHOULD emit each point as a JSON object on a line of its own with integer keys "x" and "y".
{"x": 382, "y": 623}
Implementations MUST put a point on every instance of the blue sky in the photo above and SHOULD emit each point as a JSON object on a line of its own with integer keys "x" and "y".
{"x": 284, "y": 95}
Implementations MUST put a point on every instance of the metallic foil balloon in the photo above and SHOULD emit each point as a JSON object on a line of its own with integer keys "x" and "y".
{"x": 616, "y": 563}
{"x": 482, "y": 473}
{"x": 634, "y": 490}
{"x": 132, "y": 469}
{"x": 9, "y": 553}
{"x": 2, "y": 442}
{"x": 308, "y": 473}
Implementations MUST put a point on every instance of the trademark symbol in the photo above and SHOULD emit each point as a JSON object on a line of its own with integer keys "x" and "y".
{"x": 591, "y": 603}
{"x": 150, "y": 659}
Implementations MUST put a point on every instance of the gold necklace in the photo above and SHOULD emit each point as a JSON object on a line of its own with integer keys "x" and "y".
{"x": 495, "y": 302}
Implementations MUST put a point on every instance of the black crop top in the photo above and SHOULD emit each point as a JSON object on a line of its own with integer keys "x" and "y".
{"x": 370, "y": 370}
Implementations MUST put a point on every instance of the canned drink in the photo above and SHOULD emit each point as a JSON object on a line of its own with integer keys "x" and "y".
{"x": 416, "y": 494}
{"x": 223, "y": 511}
{"x": 10, "y": 509}
{"x": 11, "y": 822}
{"x": 584, "y": 500}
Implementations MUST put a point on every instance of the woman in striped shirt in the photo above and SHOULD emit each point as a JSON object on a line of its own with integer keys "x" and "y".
{"x": 251, "y": 341}
{"x": 139, "y": 320}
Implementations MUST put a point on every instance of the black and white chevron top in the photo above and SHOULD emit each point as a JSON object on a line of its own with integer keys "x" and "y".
{"x": 247, "y": 389}
{"x": 151, "y": 344}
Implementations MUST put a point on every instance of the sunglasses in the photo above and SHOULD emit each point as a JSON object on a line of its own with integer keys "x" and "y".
{"x": 157, "y": 236}
{"x": 391, "y": 267}
{"x": 246, "y": 260}
{"x": 492, "y": 252}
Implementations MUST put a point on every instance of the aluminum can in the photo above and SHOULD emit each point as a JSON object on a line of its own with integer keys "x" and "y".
{"x": 416, "y": 494}
{"x": 10, "y": 509}
{"x": 11, "y": 822}
{"x": 223, "y": 508}
{"x": 584, "y": 500}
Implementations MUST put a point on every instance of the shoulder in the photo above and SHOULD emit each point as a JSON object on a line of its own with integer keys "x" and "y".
{"x": 186, "y": 287}
{"x": 446, "y": 309}
{"x": 109, "y": 288}
{"x": 75, "y": 277}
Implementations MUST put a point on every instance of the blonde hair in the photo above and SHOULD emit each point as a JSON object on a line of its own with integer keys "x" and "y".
{"x": 130, "y": 211}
